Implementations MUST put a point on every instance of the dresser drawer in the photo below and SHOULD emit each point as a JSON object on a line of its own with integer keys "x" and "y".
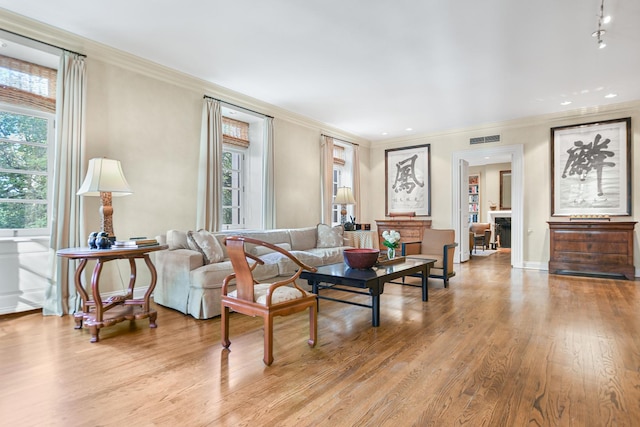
{"x": 598, "y": 248}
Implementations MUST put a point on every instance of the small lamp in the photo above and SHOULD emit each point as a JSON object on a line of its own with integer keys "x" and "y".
{"x": 105, "y": 178}
{"x": 344, "y": 197}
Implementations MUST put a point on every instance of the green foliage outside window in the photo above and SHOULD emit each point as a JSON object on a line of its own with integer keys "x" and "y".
{"x": 23, "y": 171}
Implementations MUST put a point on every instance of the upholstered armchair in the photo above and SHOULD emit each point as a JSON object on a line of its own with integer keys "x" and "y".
{"x": 436, "y": 244}
{"x": 481, "y": 234}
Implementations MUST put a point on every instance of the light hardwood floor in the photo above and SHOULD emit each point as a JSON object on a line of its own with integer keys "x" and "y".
{"x": 499, "y": 347}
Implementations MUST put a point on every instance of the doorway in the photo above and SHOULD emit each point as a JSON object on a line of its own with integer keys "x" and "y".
{"x": 512, "y": 153}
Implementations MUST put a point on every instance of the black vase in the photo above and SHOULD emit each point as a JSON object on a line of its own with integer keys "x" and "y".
{"x": 92, "y": 240}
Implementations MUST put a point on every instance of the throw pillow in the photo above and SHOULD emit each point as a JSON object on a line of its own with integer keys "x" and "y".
{"x": 330, "y": 237}
{"x": 177, "y": 239}
{"x": 303, "y": 239}
{"x": 207, "y": 244}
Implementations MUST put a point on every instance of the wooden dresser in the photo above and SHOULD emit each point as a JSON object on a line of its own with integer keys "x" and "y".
{"x": 591, "y": 247}
{"x": 411, "y": 230}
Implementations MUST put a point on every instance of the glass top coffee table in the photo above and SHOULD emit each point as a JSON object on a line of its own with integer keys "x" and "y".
{"x": 342, "y": 278}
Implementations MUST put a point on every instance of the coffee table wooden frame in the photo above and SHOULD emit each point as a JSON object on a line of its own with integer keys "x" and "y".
{"x": 342, "y": 278}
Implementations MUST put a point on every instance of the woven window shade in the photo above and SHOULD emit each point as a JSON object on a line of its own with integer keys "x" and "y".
{"x": 28, "y": 84}
{"x": 338, "y": 155}
{"x": 235, "y": 132}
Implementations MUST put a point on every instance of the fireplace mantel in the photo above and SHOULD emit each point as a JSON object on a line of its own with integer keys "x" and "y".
{"x": 492, "y": 215}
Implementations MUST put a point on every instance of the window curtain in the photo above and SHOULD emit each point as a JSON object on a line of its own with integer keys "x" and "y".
{"x": 326, "y": 169}
{"x": 209, "y": 214}
{"x": 67, "y": 224}
{"x": 269, "y": 206}
{"x": 357, "y": 208}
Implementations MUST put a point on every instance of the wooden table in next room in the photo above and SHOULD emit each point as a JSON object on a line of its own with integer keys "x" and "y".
{"x": 97, "y": 313}
{"x": 342, "y": 278}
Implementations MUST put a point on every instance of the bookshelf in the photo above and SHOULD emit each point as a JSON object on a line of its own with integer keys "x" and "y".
{"x": 474, "y": 198}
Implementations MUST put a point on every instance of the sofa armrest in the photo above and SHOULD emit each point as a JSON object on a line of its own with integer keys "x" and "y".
{"x": 173, "y": 283}
{"x": 449, "y": 251}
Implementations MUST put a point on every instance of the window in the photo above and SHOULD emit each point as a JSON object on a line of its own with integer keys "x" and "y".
{"x": 24, "y": 165}
{"x": 342, "y": 177}
{"x": 26, "y": 132}
{"x": 232, "y": 188}
{"x": 335, "y": 209}
{"x": 242, "y": 168}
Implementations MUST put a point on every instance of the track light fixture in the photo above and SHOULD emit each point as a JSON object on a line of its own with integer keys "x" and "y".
{"x": 599, "y": 33}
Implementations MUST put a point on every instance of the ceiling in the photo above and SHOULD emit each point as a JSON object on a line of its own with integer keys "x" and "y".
{"x": 376, "y": 68}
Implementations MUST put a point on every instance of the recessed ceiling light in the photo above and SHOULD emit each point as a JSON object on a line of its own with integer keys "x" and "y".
{"x": 409, "y": 129}
{"x": 606, "y": 19}
{"x": 611, "y": 95}
{"x": 565, "y": 103}
{"x": 385, "y": 133}
{"x": 3, "y": 44}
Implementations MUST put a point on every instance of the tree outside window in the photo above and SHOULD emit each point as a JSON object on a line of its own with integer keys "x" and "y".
{"x": 24, "y": 169}
{"x": 232, "y": 161}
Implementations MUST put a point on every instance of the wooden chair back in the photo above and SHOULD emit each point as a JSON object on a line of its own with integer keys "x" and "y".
{"x": 278, "y": 298}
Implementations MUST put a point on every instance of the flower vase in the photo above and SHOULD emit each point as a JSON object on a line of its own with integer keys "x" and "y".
{"x": 391, "y": 253}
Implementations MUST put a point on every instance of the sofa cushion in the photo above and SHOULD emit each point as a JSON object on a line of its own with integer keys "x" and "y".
{"x": 303, "y": 239}
{"x": 177, "y": 239}
{"x": 330, "y": 237}
{"x": 280, "y": 294}
{"x": 205, "y": 243}
{"x": 329, "y": 255}
{"x": 286, "y": 267}
{"x": 263, "y": 250}
{"x": 211, "y": 275}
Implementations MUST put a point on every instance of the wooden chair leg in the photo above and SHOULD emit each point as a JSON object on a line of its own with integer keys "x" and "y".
{"x": 268, "y": 339}
{"x": 313, "y": 325}
{"x": 224, "y": 322}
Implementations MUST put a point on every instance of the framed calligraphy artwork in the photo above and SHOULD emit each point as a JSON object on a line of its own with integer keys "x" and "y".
{"x": 591, "y": 169}
{"x": 408, "y": 180}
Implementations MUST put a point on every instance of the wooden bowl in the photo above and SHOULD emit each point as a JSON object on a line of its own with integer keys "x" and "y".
{"x": 361, "y": 258}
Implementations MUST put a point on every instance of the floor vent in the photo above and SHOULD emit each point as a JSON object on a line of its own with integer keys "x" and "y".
{"x": 485, "y": 139}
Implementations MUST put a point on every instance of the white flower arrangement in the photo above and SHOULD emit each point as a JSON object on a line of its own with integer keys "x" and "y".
{"x": 391, "y": 238}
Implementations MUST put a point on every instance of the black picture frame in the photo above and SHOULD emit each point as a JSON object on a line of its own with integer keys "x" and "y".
{"x": 591, "y": 169}
{"x": 408, "y": 180}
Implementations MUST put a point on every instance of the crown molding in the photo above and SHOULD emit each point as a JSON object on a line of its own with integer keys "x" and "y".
{"x": 551, "y": 119}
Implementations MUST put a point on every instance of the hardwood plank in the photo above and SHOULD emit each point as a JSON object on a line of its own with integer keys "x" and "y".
{"x": 499, "y": 347}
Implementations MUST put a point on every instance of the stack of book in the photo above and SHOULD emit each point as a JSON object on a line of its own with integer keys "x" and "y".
{"x": 135, "y": 242}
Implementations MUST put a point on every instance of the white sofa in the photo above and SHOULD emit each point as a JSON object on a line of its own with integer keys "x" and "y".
{"x": 191, "y": 270}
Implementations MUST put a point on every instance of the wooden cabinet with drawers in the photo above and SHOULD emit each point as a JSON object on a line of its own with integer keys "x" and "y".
{"x": 411, "y": 230}
{"x": 592, "y": 247}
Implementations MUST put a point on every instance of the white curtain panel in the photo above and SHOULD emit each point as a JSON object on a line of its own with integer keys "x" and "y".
{"x": 269, "y": 191}
{"x": 326, "y": 185}
{"x": 209, "y": 214}
{"x": 356, "y": 183}
{"x": 67, "y": 225}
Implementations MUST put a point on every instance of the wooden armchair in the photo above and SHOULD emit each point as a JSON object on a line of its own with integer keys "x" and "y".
{"x": 436, "y": 244}
{"x": 263, "y": 299}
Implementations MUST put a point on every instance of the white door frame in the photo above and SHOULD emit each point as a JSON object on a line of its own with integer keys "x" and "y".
{"x": 517, "y": 195}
